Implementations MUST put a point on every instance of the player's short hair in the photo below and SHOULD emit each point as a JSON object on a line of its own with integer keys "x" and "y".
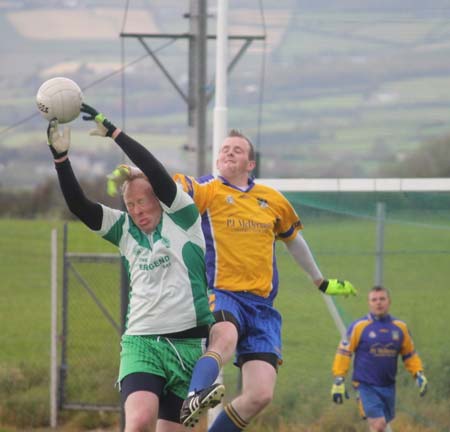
{"x": 129, "y": 179}
{"x": 239, "y": 134}
{"x": 379, "y": 288}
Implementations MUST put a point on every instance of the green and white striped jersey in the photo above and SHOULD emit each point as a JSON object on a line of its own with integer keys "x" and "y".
{"x": 166, "y": 268}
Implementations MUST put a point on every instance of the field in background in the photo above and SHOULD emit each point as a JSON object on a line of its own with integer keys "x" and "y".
{"x": 416, "y": 271}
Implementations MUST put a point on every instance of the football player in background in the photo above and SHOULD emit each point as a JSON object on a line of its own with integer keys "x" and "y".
{"x": 377, "y": 340}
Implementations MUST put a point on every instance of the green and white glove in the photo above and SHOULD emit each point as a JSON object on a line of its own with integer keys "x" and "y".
{"x": 104, "y": 127}
{"x": 58, "y": 143}
{"x": 338, "y": 391}
{"x": 337, "y": 287}
{"x": 422, "y": 383}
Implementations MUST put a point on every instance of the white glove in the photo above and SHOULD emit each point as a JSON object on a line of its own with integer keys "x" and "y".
{"x": 99, "y": 130}
{"x": 422, "y": 383}
{"x": 103, "y": 127}
{"x": 58, "y": 143}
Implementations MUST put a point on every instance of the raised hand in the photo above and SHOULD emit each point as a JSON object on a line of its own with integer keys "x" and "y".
{"x": 104, "y": 127}
{"x": 58, "y": 143}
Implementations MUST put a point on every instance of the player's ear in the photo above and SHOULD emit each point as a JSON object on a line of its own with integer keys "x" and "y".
{"x": 251, "y": 165}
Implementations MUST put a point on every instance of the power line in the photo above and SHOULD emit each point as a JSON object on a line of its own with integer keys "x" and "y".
{"x": 92, "y": 84}
{"x": 20, "y": 122}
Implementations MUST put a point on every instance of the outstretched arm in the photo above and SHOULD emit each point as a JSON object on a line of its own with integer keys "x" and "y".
{"x": 162, "y": 183}
{"x": 88, "y": 212}
{"x": 299, "y": 249}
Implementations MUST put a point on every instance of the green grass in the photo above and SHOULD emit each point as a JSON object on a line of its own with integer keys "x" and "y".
{"x": 416, "y": 271}
{"x": 341, "y": 232}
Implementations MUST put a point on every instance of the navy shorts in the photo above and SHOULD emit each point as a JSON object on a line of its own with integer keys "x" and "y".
{"x": 257, "y": 321}
{"x": 377, "y": 401}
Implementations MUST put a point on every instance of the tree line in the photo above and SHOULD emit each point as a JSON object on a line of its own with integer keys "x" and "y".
{"x": 46, "y": 200}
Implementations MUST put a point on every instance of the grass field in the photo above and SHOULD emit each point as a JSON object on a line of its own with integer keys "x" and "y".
{"x": 416, "y": 270}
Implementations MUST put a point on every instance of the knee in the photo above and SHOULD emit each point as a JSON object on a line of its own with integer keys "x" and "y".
{"x": 264, "y": 399}
{"x": 136, "y": 421}
{"x": 378, "y": 425}
{"x": 223, "y": 339}
{"x": 259, "y": 400}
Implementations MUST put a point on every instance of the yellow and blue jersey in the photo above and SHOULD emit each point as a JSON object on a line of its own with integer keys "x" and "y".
{"x": 376, "y": 343}
{"x": 240, "y": 228}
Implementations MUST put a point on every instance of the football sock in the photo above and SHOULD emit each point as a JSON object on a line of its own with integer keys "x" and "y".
{"x": 228, "y": 421}
{"x": 205, "y": 372}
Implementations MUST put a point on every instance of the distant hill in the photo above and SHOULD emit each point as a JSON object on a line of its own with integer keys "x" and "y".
{"x": 347, "y": 89}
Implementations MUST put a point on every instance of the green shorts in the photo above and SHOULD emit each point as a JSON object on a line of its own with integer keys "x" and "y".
{"x": 171, "y": 359}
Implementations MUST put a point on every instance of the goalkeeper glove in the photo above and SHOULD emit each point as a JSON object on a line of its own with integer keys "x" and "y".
{"x": 118, "y": 176}
{"x": 58, "y": 143}
{"x": 338, "y": 391}
{"x": 104, "y": 127}
{"x": 337, "y": 287}
{"x": 422, "y": 383}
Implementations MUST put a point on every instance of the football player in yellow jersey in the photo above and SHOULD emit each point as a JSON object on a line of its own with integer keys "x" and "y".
{"x": 241, "y": 221}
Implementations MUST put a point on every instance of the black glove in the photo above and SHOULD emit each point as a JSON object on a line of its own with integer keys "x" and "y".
{"x": 58, "y": 143}
{"x": 104, "y": 127}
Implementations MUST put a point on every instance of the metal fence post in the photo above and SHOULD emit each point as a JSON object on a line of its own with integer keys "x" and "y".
{"x": 63, "y": 366}
{"x": 124, "y": 291}
{"x": 379, "y": 252}
{"x": 54, "y": 331}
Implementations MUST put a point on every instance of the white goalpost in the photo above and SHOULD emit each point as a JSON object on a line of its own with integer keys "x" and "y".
{"x": 220, "y": 116}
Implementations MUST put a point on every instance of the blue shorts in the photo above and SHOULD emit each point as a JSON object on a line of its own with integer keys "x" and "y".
{"x": 378, "y": 401}
{"x": 258, "y": 322}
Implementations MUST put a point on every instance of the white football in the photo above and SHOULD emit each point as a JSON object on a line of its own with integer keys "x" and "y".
{"x": 59, "y": 98}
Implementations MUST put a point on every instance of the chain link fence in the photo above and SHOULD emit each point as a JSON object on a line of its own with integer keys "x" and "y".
{"x": 91, "y": 329}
